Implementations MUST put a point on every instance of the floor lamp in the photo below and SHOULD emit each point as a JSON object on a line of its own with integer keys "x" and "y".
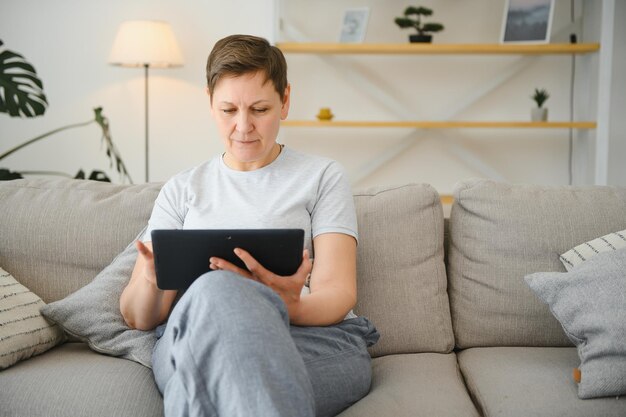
{"x": 145, "y": 43}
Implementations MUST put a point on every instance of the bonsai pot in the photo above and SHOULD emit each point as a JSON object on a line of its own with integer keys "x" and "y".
{"x": 539, "y": 114}
{"x": 420, "y": 38}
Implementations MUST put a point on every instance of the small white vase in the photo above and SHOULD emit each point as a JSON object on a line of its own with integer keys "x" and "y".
{"x": 539, "y": 114}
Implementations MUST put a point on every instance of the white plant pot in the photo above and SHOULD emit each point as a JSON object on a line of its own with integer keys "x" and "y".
{"x": 539, "y": 114}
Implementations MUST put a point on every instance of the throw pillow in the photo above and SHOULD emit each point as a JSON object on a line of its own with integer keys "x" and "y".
{"x": 589, "y": 302}
{"x": 587, "y": 250}
{"x": 92, "y": 314}
{"x": 24, "y": 332}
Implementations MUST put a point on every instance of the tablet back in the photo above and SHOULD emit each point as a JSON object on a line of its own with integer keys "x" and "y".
{"x": 181, "y": 256}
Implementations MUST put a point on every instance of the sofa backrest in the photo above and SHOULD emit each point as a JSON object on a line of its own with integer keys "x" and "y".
{"x": 501, "y": 232}
{"x": 401, "y": 271}
{"x": 57, "y": 234}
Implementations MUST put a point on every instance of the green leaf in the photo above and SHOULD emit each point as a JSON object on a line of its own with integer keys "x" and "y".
{"x": 21, "y": 90}
{"x": 424, "y": 11}
{"x": 403, "y": 22}
{"x": 432, "y": 27}
{"x": 540, "y": 96}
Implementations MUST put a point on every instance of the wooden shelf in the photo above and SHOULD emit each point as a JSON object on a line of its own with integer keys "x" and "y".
{"x": 437, "y": 49}
{"x": 440, "y": 125}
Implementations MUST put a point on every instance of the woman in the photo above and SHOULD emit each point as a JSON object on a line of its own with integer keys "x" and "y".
{"x": 248, "y": 342}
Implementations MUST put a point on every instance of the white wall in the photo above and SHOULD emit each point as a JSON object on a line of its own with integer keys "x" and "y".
{"x": 617, "y": 145}
{"x": 68, "y": 41}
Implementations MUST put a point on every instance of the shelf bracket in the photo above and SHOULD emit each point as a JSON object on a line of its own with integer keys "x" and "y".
{"x": 454, "y": 110}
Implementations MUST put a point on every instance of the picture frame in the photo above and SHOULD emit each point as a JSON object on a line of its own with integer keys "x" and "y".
{"x": 527, "y": 21}
{"x": 354, "y": 25}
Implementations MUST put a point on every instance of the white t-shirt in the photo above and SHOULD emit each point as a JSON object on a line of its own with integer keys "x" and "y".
{"x": 295, "y": 191}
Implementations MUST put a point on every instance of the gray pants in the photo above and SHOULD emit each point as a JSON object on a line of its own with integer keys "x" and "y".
{"x": 228, "y": 350}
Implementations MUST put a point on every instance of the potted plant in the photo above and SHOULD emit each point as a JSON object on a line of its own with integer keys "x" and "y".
{"x": 115, "y": 159}
{"x": 413, "y": 19}
{"x": 539, "y": 113}
{"x": 21, "y": 88}
{"x": 22, "y": 95}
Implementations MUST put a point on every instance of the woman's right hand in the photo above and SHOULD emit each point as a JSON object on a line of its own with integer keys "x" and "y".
{"x": 142, "y": 304}
{"x": 147, "y": 269}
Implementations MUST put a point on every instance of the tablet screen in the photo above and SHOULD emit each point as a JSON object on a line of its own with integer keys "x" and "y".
{"x": 181, "y": 256}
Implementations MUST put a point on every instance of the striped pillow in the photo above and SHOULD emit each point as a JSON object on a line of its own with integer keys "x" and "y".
{"x": 24, "y": 332}
{"x": 587, "y": 250}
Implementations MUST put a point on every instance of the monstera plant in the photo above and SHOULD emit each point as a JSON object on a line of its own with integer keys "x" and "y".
{"x": 22, "y": 95}
{"x": 21, "y": 91}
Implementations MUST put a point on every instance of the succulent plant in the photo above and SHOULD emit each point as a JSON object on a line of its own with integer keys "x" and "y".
{"x": 540, "y": 96}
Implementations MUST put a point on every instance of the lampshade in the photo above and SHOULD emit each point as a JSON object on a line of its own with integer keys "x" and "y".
{"x": 145, "y": 42}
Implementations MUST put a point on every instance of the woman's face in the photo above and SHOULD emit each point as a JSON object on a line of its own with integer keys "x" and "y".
{"x": 248, "y": 111}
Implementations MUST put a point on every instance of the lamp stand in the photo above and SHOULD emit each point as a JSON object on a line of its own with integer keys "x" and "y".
{"x": 145, "y": 43}
{"x": 145, "y": 66}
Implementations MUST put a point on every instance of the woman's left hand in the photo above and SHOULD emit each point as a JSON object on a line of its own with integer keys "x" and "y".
{"x": 287, "y": 287}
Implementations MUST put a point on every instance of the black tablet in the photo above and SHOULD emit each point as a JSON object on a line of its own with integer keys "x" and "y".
{"x": 181, "y": 256}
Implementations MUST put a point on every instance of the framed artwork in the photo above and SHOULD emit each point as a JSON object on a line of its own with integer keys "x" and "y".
{"x": 527, "y": 21}
{"x": 354, "y": 25}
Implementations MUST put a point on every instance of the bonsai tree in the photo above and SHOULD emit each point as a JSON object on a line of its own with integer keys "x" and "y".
{"x": 413, "y": 19}
{"x": 540, "y": 96}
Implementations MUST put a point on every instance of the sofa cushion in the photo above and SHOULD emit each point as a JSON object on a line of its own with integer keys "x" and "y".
{"x": 92, "y": 314}
{"x": 57, "y": 234}
{"x": 402, "y": 284}
{"x": 587, "y": 250}
{"x": 502, "y": 232}
{"x": 530, "y": 381}
{"x": 590, "y": 303}
{"x": 71, "y": 380}
{"x": 24, "y": 332}
{"x": 414, "y": 385}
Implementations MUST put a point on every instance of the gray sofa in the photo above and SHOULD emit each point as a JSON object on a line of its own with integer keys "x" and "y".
{"x": 462, "y": 333}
